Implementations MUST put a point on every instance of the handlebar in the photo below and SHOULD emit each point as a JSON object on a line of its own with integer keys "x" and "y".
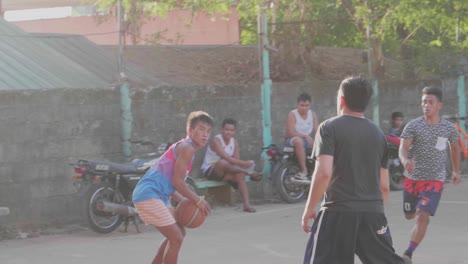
{"x": 270, "y": 146}
{"x": 455, "y": 118}
{"x": 143, "y": 143}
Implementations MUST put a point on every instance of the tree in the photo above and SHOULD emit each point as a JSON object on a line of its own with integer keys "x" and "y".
{"x": 137, "y": 11}
{"x": 420, "y": 32}
{"x": 371, "y": 19}
{"x": 436, "y": 30}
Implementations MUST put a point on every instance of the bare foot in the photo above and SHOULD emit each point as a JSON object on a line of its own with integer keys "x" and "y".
{"x": 255, "y": 176}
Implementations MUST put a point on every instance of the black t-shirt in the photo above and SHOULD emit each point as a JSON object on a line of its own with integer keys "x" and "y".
{"x": 359, "y": 150}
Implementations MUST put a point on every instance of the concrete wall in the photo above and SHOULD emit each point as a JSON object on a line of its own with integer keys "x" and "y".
{"x": 42, "y": 131}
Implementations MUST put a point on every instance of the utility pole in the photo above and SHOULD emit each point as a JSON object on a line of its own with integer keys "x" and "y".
{"x": 120, "y": 29}
{"x": 125, "y": 100}
{"x": 1, "y": 10}
{"x": 460, "y": 85}
{"x": 373, "y": 81}
{"x": 265, "y": 92}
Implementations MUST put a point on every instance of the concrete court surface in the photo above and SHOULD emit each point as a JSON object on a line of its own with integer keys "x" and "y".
{"x": 273, "y": 235}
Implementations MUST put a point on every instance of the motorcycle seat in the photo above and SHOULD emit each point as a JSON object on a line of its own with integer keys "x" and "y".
{"x": 105, "y": 166}
{"x": 289, "y": 149}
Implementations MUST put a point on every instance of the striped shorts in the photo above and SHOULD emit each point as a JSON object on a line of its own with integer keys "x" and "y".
{"x": 154, "y": 212}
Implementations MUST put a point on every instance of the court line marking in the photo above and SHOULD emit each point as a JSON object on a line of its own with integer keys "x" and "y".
{"x": 267, "y": 211}
{"x": 442, "y": 201}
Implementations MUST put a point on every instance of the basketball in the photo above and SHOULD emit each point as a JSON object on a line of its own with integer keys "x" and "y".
{"x": 188, "y": 214}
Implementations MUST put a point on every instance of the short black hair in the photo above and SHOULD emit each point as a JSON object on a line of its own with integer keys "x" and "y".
{"x": 229, "y": 121}
{"x": 198, "y": 116}
{"x": 431, "y": 90}
{"x": 303, "y": 97}
{"x": 397, "y": 114}
{"x": 357, "y": 92}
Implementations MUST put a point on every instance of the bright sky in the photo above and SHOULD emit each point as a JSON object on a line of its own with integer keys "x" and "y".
{"x": 41, "y": 13}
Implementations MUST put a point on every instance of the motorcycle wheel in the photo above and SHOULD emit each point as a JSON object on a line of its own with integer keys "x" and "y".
{"x": 99, "y": 221}
{"x": 396, "y": 177}
{"x": 288, "y": 191}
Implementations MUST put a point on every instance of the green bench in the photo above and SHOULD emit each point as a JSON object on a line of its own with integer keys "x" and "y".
{"x": 217, "y": 191}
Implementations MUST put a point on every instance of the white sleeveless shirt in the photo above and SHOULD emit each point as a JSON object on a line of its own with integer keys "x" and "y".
{"x": 212, "y": 157}
{"x": 304, "y": 126}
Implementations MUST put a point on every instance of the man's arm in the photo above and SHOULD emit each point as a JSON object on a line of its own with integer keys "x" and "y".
{"x": 316, "y": 123}
{"x": 384, "y": 185}
{"x": 320, "y": 181}
{"x": 405, "y": 144}
{"x": 185, "y": 153}
{"x": 455, "y": 157}
{"x": 236, "y": 150}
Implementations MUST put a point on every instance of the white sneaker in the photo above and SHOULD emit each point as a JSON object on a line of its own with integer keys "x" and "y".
{"x": 301, "y": 176}
{"x": 407, "y": 259}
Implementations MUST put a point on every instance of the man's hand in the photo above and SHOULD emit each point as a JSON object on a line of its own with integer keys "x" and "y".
{"x": 456, "y": 178}
{"x": 305, "y": 220}
{"x": 408, "y": 164}
{"x": 247, "y": 163}
{"x": 204, "y": 206}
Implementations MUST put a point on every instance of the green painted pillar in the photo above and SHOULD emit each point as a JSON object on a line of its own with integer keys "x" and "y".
{"x": 461, "y": 100}
{"x": 126, "y": 119}
{"x": 376, "y": 113}
{"x": 266, "y": 89}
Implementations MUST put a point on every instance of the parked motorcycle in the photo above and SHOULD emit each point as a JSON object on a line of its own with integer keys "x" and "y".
{"x": 395, "y": 167}
{"x": 284, "y": 166}
{"x": 107, "y": 188}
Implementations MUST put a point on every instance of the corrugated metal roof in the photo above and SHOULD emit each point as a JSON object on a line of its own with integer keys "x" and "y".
{"x": 49, "y": 61}
{"x": 30, "y": 4}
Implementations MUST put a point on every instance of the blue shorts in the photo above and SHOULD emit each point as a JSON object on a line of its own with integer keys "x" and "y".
{"x": 288, "y": 143}
{"x": 421, "y": 194}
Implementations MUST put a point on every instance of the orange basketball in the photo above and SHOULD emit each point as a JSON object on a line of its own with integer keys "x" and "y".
{"x": 188, "y": 214}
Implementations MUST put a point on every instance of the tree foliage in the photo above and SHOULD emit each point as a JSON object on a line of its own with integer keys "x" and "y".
{"x": 424, "y": 34}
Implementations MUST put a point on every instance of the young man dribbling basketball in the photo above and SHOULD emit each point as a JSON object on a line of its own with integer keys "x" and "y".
{"x": 167, "y": 179}
{"x": 423, "y": 152}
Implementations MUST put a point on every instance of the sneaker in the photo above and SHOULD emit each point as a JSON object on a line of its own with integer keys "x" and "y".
{"x": 407, "y": 259}
{"x": 301, "y": 176}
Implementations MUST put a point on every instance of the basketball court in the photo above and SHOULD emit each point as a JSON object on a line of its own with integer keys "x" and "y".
{"x": 273, "y": 235}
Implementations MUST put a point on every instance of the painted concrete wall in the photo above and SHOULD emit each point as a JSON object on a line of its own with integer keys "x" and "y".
{"x": 42, "y": 131}
{"x": 178, "y": 28}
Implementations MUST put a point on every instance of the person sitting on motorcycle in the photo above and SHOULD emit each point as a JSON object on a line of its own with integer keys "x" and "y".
{"x": 397, "y": 124}
{"x": 222, "y": 162}
{"x": 301, "y": 124}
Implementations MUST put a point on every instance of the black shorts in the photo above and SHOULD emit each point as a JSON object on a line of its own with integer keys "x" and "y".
{"x": 337, "y": 236}
{"x": 211, "y": 175}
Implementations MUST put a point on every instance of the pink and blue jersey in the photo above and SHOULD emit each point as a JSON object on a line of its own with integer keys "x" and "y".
{"x": 157, "y": 182}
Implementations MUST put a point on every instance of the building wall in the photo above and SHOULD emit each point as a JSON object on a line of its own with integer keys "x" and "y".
{"x": 180, "y": 27}
{"x": 42, "y": 131}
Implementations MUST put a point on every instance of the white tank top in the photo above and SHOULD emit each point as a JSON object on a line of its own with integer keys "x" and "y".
{"x": 304, "y": 126}
{"x": 212, "y": 157}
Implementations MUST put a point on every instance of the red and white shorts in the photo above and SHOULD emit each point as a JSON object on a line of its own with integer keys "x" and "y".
{"x": 155, "y": 212}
